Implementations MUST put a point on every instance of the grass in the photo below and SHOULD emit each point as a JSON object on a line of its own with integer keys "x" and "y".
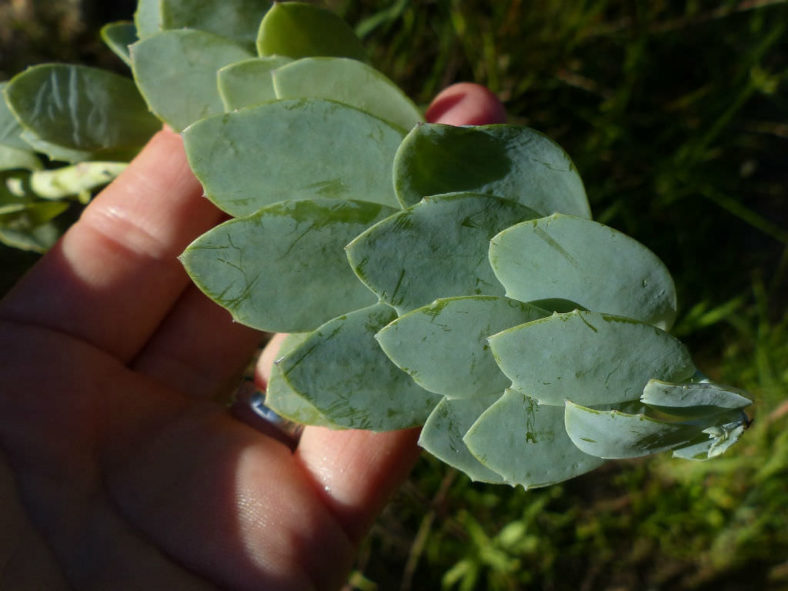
{"x": 675, "y": 113}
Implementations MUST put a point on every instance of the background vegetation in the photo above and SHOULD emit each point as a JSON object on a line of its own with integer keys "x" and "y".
{"x": 676, "y": 114}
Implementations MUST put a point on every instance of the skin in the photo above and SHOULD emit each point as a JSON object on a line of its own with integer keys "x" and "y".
{"x": 119, "y": 467}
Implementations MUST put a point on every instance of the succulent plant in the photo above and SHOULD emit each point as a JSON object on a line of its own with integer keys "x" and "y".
{"x": 449, "y": 277}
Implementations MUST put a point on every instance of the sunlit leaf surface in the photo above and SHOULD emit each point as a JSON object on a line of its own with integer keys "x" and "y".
{"x": 435, "y": 249}
{"x": 526, "y": 443}
{"x": 294, "y": 149}
{"x": 348, "y": 81}
{"x": 593, "y": 265}
{"x": 589, "y": 358}
{"x": 176, "y": 72}
{"x": 284, "y": 268}
{"x": 443, "y": 346}
{"x": 342, "y": 372}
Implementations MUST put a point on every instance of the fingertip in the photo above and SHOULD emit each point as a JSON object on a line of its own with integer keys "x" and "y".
{"x": 466, "y": 103}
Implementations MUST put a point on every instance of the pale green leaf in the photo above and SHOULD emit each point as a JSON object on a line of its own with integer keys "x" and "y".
{"x": 446, "y": 426}
{"x": 248, "y": 82}
{"x": 508, "y": 161}
{"x": 589, "y": 358}
{"x": 613, "y": 434}
{"x": 434, "y": 249}
{"x": 148, "y": 18}
{"x": 298, "y": 29}
{"x": 443, "y": 346}
{"x": 118, "y": 36}
{"x": 284, "y": 268}
{"x": 347, "y": 81}
{"x": 81, "y": 108}
{"x": 10, "y": 129}
{"x": 73, "y": 180}
{"x": 237, "y": 20}
{"x": 176, "y": 73}
{"x": 293, "y": 149}
{"x": 526, "y": 443}
{"x": 283, "y": 400}
{"x": 586, "y": 262}
{"x": 698, "y": 395}
{"x": 342, "y": 372}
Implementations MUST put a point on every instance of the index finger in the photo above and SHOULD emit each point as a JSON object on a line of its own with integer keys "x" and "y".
{"x": 114, "y": 275}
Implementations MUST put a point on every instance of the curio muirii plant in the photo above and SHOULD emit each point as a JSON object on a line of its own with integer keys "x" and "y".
{"x": 450, "y": 277}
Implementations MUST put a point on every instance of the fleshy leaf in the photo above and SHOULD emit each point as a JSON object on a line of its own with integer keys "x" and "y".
{"x": 342, "y": 372}
{"x": 118, "y": 36}
{"x": 526, "y": 443}
{"x": 588, "y": 357}
{"x": 248, "y": 82}
{"x": 284, "y": 268}
{"x": 507, "y": 161}
{"x": 446, "y": 426}
{"x": 443, "y": 346}
{"x": 283, "y": 400}
{"x": 10, "y": 129}
{"x": 75, "y": 179}
{"x": 298, "y": 29}
{"x": 81, "y": 108}
{"x": 586, "y": 262}
{"x": 176, "y": 73}
{"x": 698, "y": 397}
{"x": 436, "y": 248}
{"x": 148, "y": 18}
{"x": 613, "y": 434}
{"x": 294, "y": 149}
{"x": 237, "y": 20}
{"x": 347, "y": 81}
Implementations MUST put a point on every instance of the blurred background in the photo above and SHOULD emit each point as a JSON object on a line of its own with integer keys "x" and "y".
{"x": 676, "y": 115}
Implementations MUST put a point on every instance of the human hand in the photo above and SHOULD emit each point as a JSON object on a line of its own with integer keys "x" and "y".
{"x": 121, "y": 468}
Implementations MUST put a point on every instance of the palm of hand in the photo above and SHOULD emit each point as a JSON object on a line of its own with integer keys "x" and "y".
{"x": 119, "y": 468}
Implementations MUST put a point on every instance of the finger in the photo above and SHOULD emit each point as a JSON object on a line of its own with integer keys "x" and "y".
{"x": 114, "y": 275}
{"x": 466, "y": 104}
{"x": 356, "y": 471}
{"x": 199, "y": 350}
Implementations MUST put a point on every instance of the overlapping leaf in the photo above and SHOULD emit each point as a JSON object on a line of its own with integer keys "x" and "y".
{"x": 118, "y": 37}
{"x": 285, "y": 401}
{"x": 589, "y": 358}
{"x": 81, "y": 110}
{"x": 237, "y": 20}
{"x": 593, "y": 265}
{"x": 284, "y": 268}
{"x": 443, "y": 346}
{"x": 349, "y": 380}
{"x": 525, "y": 442}
{"x": 614, "y": 434}
{"x": 293, "y": 149}
{"x": 298, "y": 29}
{"x": 447, "y": 425}
{"x": 507, "y": 161}
{"x": 434, "y": 249}
{"x": 347, "y": 81}
{"x": 176, "y": 73}
{"x": 248, "y": 82}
